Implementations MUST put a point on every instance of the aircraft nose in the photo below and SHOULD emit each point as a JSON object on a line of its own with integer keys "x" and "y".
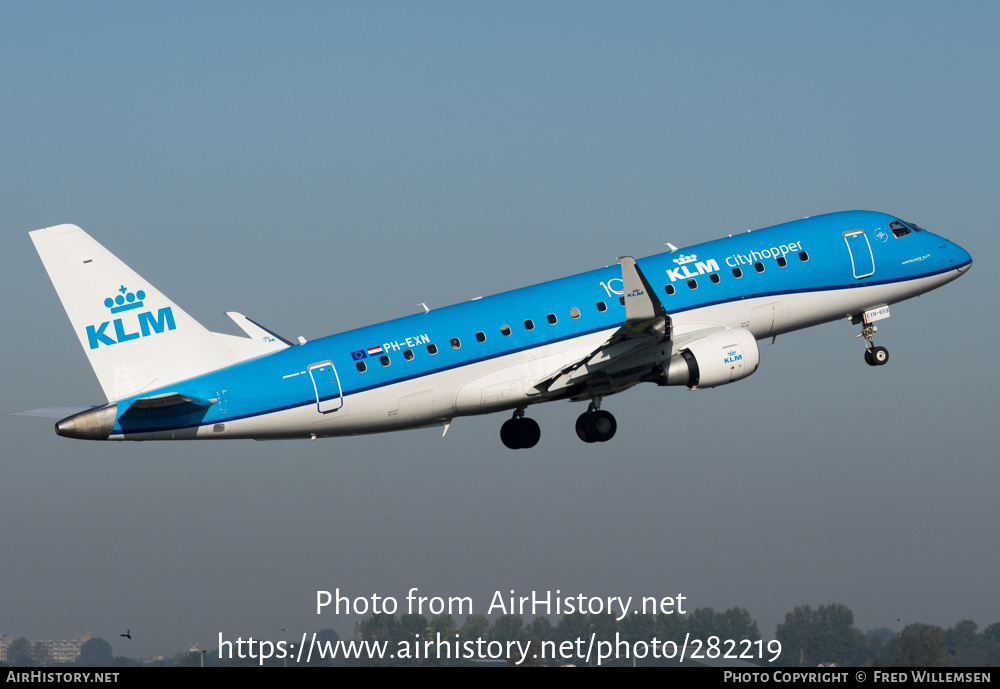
{"x": 961, "y": 258}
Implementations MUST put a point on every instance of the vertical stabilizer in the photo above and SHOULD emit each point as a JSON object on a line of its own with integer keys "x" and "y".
{"x": 135, "y": 338}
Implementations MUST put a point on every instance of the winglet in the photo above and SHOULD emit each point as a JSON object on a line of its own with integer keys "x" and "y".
{"x": 641, "y": 302}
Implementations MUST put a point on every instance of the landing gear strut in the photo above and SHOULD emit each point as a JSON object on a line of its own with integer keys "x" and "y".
{"x": 874, "y": 356}
{"x": 595, "y": 425}
{"x": 519, "y": 432}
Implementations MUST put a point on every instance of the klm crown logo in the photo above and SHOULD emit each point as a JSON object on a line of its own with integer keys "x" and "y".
{"x": 148, "y": 324}
{"x": 125, "y": 300}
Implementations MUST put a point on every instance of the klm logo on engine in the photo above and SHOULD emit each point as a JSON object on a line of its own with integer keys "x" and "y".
{"x": 732, "y": 357}
{"x": 683, "y": 272}
{"x": 117, "y": 330}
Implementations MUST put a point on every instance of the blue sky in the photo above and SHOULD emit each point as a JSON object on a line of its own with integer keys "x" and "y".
{"x": 322, "y": 166}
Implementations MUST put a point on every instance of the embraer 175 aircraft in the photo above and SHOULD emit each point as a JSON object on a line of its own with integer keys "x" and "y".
{"x": 688, "y": 317}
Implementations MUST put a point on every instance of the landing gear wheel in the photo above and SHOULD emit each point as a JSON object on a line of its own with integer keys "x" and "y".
{"x": 596, "y": 426}
{"x": 874, "y": 356}
{"x": 880, "y": 355}
{"x": 581, "y": 427}
{"x": 508, "y": 435}
{"x": 601, "y": 426}
{"x": 528, "y": 433}
{"x": 520, "y": 434}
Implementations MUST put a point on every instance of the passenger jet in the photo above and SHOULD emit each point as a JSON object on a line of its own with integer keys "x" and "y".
{"x": 689, "y": 317}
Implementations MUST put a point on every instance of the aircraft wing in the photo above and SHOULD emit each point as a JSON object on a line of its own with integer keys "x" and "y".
{"x": 628, "y": 354}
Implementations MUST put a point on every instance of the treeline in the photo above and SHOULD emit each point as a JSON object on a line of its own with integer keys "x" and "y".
{"x": 808, "y": 638}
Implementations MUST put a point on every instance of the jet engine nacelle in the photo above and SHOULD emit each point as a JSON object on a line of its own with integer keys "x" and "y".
{"x": 720, "y": 358}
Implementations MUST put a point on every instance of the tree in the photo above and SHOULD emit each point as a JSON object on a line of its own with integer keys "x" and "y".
{"x": 445, "y": 628}
{"x": 444, "y": 625}
{"x": 603, "y": 625}
{"x": 508, "y": 628}
{"x": 966, "y": 647}
{"x": 413, "y": 627}
{"x": 95, "y": 652}
{"x": 40, "y": 653}
{"x": 541, "y": 628}
{"x": 809, "y": 637}
{"x": 922, "y": 645}
{"x": 736, "y": 623}
{"x": 19, "y": 653}
{"x": 572, "y": 627}
{"x": 670, "y": 627}
{"x": 475, "y": 627}
{"x": 381, "y": 627}
{"x": 636, "y": 628}
{"x": 327, "y": 639}
{"x": 881, "y": 647}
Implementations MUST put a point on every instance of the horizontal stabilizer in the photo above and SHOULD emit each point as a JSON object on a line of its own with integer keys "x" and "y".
{"x": 257, "y": 331}
{"x": 55, "y": 412}
{"x": 260, "y": 341}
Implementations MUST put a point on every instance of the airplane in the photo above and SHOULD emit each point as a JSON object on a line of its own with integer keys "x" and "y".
{"x": 688, "y": 317}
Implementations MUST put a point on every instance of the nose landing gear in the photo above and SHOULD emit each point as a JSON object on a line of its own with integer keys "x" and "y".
{"x": 874, "y": 356}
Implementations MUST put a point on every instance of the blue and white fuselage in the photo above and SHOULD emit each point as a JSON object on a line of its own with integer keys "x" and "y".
{"x": 687, "y": 317}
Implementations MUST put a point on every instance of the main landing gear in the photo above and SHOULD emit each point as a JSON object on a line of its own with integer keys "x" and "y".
{"x": 595, "y": 425}
{"x": 874, "y": 356}
{"x": 519, "y": 432}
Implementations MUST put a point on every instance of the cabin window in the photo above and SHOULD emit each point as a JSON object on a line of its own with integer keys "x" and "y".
{"x": 574, "y": 312}
{"x": 669, "y": 289}
{"x": 455, "y": 343}
{"x": 432, "y": 348}
{"x": 362, "y": 366}
{"x": 737, "y": 273}
{"x": 714, "y": 277}
{"x": 384, "y": 359}
{"x": 551, "y": 318}
{"x": 529, "y": 324}
{"x": 759, "y": 267}
{"x": 803, "y": 256}
{"x": 480, "y": 336}
{"x": 693, "y": 284}
{"x": 408, "y": 354}
{"x": 505, "y": 330}
{"x": 621, "y": 300}
{"x": 602, "y": 307}
{"x": 782, "y": 262}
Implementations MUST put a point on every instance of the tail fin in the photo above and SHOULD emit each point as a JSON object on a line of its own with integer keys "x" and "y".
{"x": 135, "y": 338}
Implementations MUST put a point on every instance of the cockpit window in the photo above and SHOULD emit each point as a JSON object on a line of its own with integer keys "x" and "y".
{"x": 914, "y": 227}
{"x": 899, "y": 229}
